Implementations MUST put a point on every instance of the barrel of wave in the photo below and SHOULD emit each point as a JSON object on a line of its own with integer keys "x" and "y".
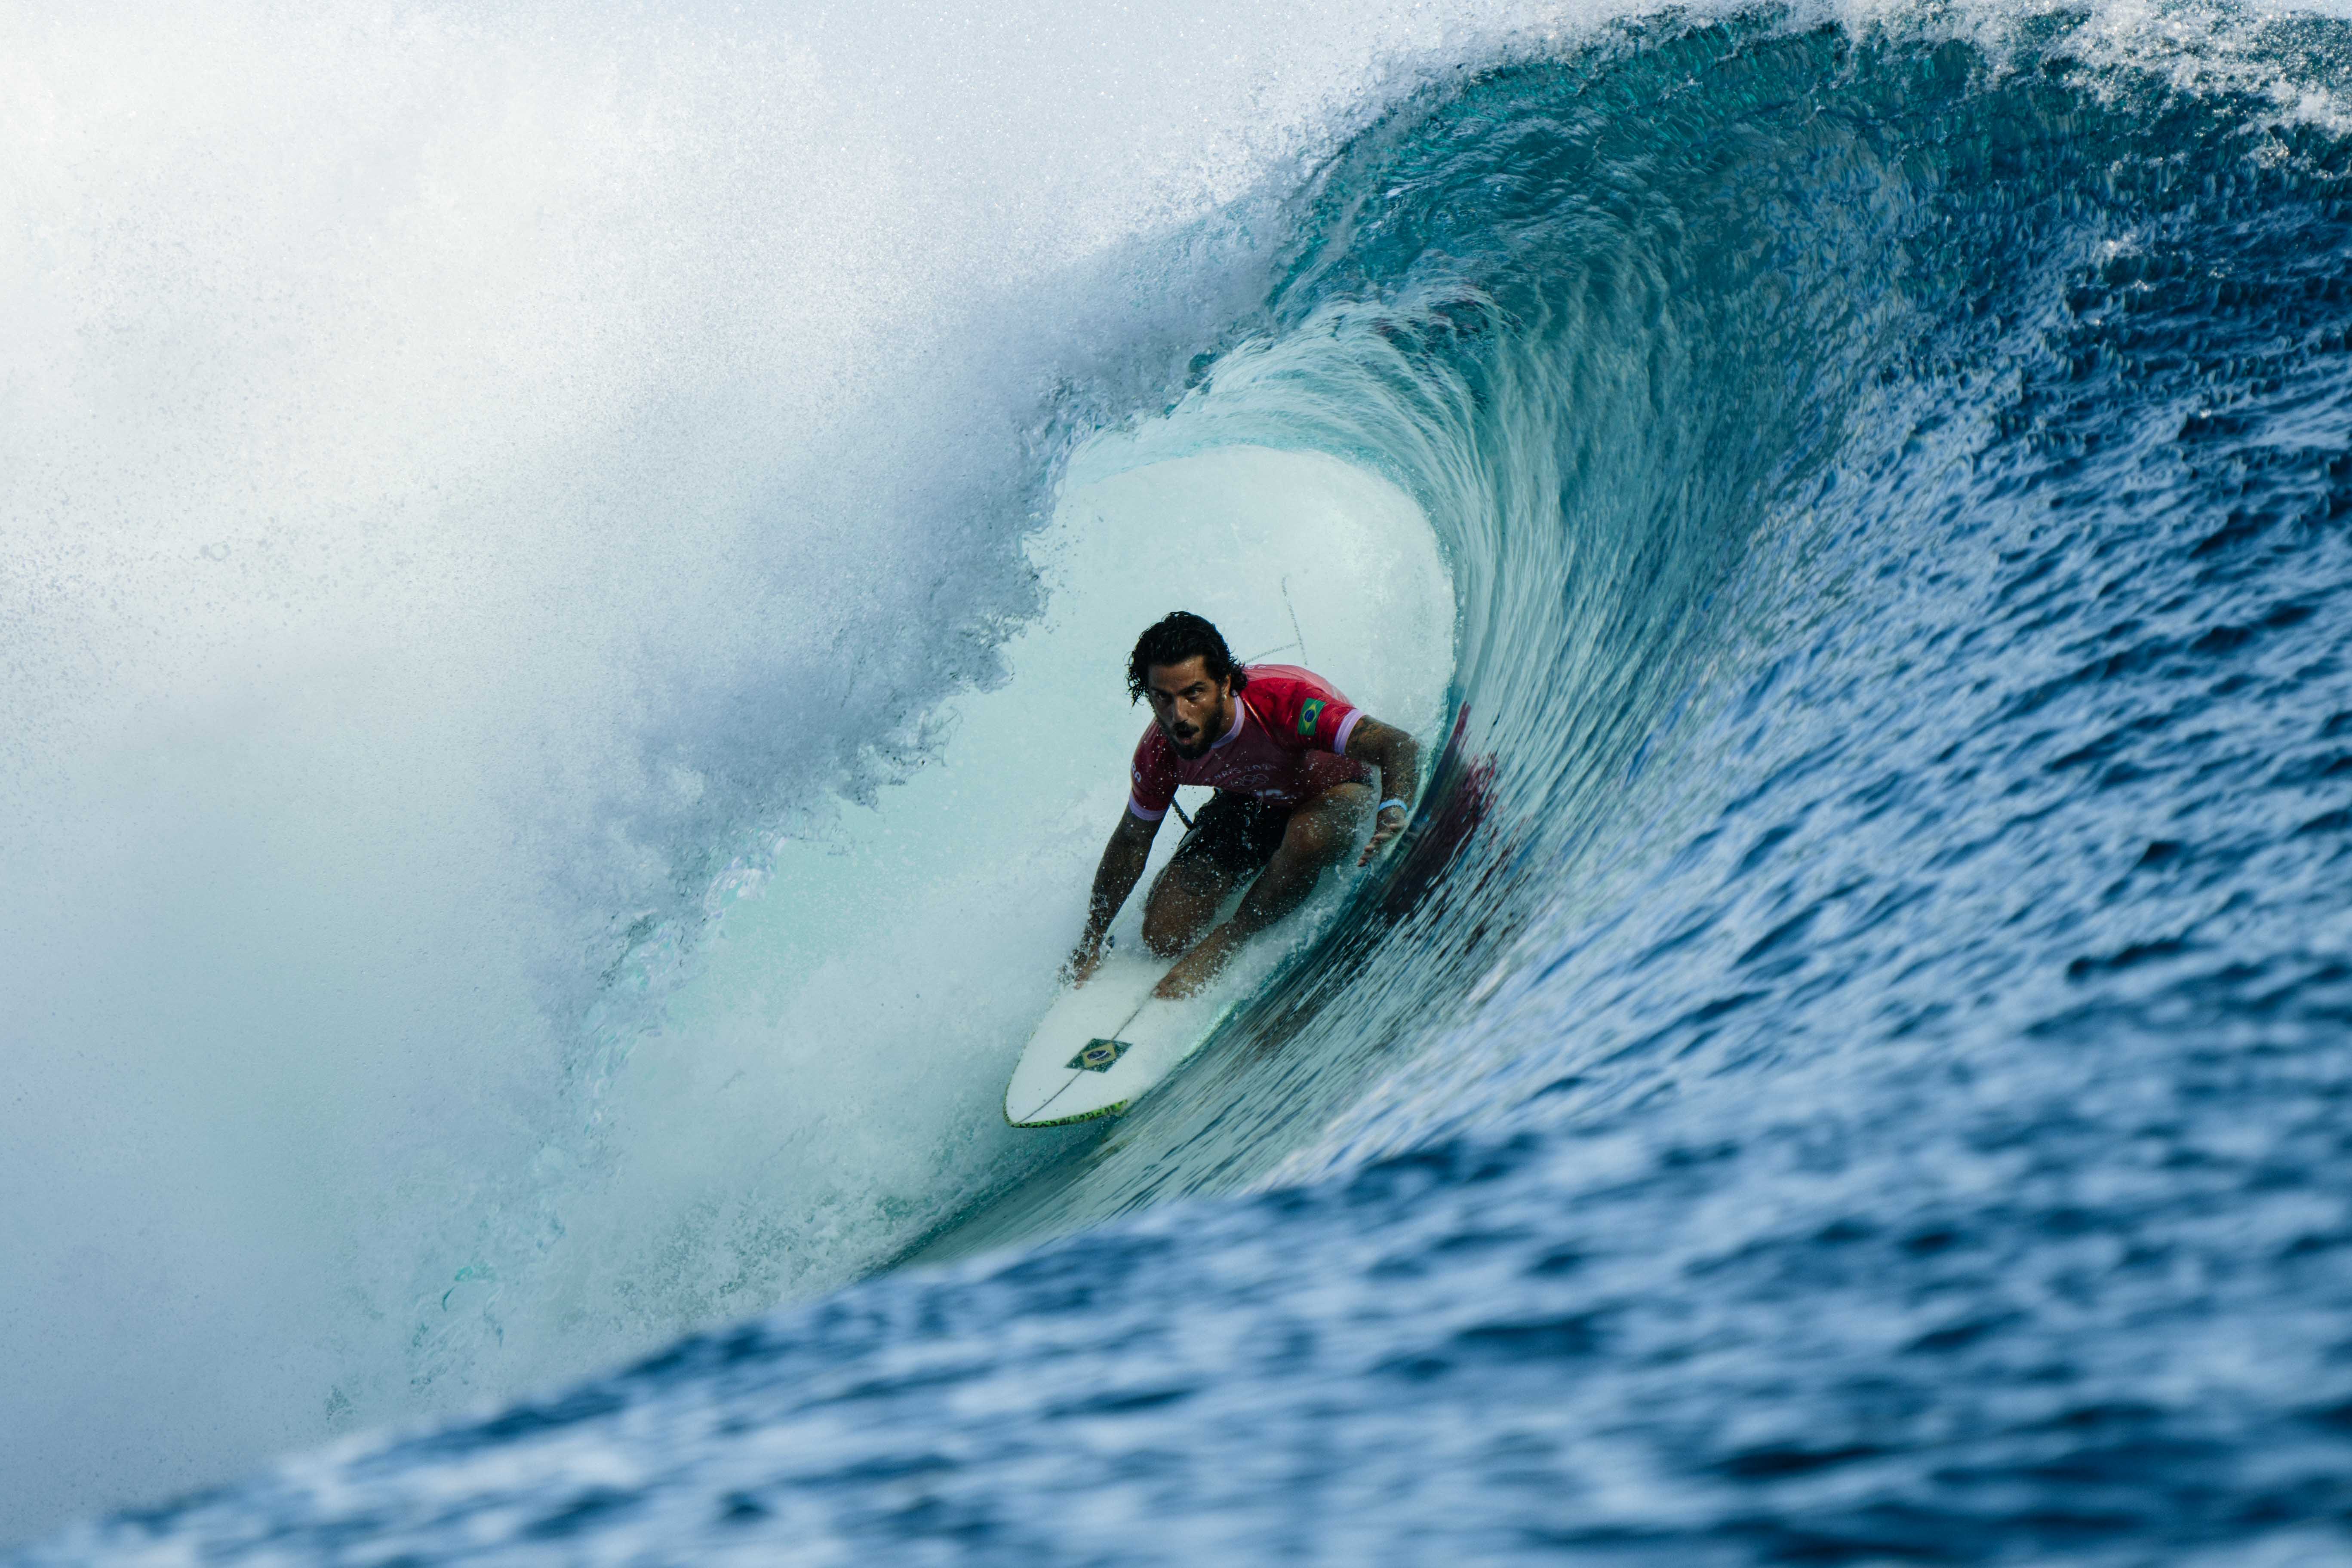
{"x": 834, "y": 1072}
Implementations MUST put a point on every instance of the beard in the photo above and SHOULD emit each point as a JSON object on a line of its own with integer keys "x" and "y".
{"x": 1193, "y": 747}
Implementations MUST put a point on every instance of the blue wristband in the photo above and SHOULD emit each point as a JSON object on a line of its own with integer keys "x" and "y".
{"x": 1391, "y": 801}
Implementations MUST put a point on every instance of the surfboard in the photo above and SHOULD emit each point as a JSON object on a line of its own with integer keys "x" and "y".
{"x": 1103, "y": 1044}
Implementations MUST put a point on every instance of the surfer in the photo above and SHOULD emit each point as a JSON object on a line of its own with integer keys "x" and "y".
{"x": 1291, "y": 761}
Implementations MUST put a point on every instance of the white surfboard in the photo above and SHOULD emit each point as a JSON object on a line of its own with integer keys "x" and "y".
{"x": 1103, "y": 1044}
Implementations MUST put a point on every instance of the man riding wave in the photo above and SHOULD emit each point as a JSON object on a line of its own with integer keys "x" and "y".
{"x": 1291, "y": 761}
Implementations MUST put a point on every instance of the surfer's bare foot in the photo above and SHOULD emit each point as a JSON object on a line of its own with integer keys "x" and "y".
{"x": 1200, "y": 967}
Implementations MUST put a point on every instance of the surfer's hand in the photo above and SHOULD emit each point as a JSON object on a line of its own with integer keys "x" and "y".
{"x": 1084, "y": 960}
{"x": 1385, "y": 826}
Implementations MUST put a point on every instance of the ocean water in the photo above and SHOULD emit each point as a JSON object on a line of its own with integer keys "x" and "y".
{"x": 567, "y": 581}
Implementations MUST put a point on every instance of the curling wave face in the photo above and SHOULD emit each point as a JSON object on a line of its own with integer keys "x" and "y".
{"x": 1850, "y": 1065}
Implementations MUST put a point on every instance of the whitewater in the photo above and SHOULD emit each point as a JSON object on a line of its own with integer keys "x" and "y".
{"x": 534, "y": 544}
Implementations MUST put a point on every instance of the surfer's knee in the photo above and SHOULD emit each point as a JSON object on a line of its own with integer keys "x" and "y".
{"x": 1316, "y": 836}
{"x": 1167, "y": 930}
{"x": 1312, "y": 844}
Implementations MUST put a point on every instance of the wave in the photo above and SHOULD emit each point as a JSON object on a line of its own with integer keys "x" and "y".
{"x": 1883, "y": 478}
{"x": 1694, "y": 348}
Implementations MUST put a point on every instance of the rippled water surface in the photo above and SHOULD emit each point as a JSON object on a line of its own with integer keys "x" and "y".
{"x": 1852, "y": 1067}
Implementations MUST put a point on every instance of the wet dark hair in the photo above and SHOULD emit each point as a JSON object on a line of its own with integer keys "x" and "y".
{"x": 1175, "y": 637}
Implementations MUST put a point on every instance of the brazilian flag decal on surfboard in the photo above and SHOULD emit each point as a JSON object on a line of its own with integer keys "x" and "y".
{"x": 1309, "y": 714}
{"x": 1098, "y": 1055}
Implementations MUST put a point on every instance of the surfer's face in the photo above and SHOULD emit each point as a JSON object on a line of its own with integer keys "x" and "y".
{"x": 1192, "y": 707}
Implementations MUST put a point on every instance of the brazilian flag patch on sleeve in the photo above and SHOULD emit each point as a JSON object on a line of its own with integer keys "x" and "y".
{"x": 1308, "y": 715}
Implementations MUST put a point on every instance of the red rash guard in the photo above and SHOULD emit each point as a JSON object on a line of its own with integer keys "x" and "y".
{"x": 1289, "y": 727}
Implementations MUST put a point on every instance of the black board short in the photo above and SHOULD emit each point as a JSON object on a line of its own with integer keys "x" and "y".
{"x": 1236, "y": 833}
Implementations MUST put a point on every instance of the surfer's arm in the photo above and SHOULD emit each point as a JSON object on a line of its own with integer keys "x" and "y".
{"x": 1398, "y": 756}
{"x": 1120, "y": 868}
